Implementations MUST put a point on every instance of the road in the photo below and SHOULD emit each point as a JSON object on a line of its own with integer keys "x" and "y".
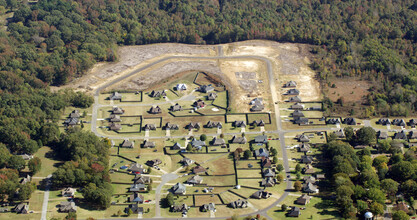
{"x": 46, "y": 197}
{"x": 164, "y": 179}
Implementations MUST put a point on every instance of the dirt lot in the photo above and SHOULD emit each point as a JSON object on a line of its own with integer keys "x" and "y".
{"x": 351, "y": 90}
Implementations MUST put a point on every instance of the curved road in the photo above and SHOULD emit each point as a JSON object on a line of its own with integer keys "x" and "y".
{"x": 274, "y": 99}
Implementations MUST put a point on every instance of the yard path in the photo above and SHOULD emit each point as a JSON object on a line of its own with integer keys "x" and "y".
{"x": 165, "y": 179}
{"x": 46, "y": 197}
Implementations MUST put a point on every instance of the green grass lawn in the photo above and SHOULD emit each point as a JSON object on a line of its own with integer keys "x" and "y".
{"x": 49, "y": 164}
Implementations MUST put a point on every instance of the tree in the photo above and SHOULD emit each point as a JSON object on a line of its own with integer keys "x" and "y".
{"x": 247, "y": 154}
{"x": 129, "y": 212}
{"x": 275, "y": 160}
{"x": 389, "y": 186}
{"x": 34, "y": 165}
{"x": 297, "y": 185}
{"x": 71, "y": 216}
{"x": 203, "y": 137}
{"x": 298, "y": 168}
{"x": 169, "y": 200}
{"x": 189, "y": 147}
{"x": 280, "y": 168}
{"x": 284, "y": 207}
{"x": 280, "y": 178}
{"x": 402, "y": 171}
{"x": 16, "y": 162}
{"x": 376, "y": 195}
{"x": 100, "y": 197}
{"x": 4, "y": 155}
{"x": 366, "y": 135}
{"x": 400, "y": 215}
{"x": 362, "y": 206}
{"x": 273, "y": 151}
{"x": 350, "y": 134}
{"x": 149, "y": 187}
{"x": 25, "y": 191}
{"x": 376, "y": 208}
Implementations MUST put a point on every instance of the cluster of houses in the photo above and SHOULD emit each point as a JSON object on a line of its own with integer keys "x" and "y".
{"x": 114, "y": 118}
{"x": 139, "y": 186}
{"x": 72, "y": 119}
{"x": 398, "y": 122}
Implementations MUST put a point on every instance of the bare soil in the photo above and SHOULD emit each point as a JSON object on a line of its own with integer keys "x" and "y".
{"x": 352, "y": 90}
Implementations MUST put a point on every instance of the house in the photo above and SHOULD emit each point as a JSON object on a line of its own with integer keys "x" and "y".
{"x": 127, "y": 144}
{"x": 412, "y": 122}
{"x": 212, "y": 96}
{"x": 268, "y": 173}
{"x": 206, "y": 88}
{"x": 303, "y": 138}
{"x": 301, "y": 121}
{"x": 155, "y": 94}
{"x": 261, "y": 152}
{"x": 294, "y": 99}
{"x": 25, "y": 180}
{"x": 135, "y": 209}
{"x": 303, "y": 200}
{"x": 239, "y": 204}
{"x": 256, "y": 101}
{"x": 294, "y": 212}
{"x": 4, "y": 210}
{"x": 181, "y": 87}
{"x": 199, "y": 169}
{"x": 333, "y": 121}
{"x": 239, "y": 124}
{"x": 195, "y": 180}
{"x": 154, "y": 162}
{"x": 115, "y": 118}
{"x": 71, "y": 121}
{"x": 266, "y": 163}
{"x": 118, "y": 111}
{"x": 179, "y": 208}
{"x": 74, "y": 114}
{"x": 21, "y": 208}
{"x": 178, "y": 189}
{"x": 149, "y": 127}
{"x": 187, "y": 161}
{"x": 297, "y": 106}
{"x": 176, "y": 107}
{"x": 169, "y": 126}
{"x": 210, "y": 207}
{"x": 115, "y": 126}
{"x": 382, "y": 135}
{"x": 68, "y": 192}
{"x": 261, "y": 139}
{"x": 310, "y": 188}
{"x": 67, "y": 207}
{"x": 143, "y": 180}
{"x": 297, "y": 114}
{"x": 290, "y": 84}
{"x": 398, "y": 122}
{"x": 340, "y": 133}
{"x": 304, "y": 147}
{"x": 218, "y": 141}
{"x": 293, "y": 92}
{"x": 177, "y": 146}
{"x": 198, "y": 143}
{"x": 214, "y": 124}
{"x": 26, "y": 156}
{"x": 306, "y": 159}
{"x": 193, "y": 125}
{"x": 135, "y": 197}
{"x": 115, "y": 96}
{"x": 384, "y": 121}
{"x": 257, "y": 108}
{"x": 349, "y": 121}
{"x": 315, "y": 108}
{"x": 359, "y": 147}
{"x": 137, "y": 188}
{"x": 155, "y": 110}
{"x": 258, "y": 123}
{"x": 238, "y": 140}
{"x": 320, "y": 176}
{"x": 309, "y": 169}
{"x": 137, "y": 168}
{"x": 412, "y": 135}
{"x": 148, "y": 144}
{"x": 402, "y": 206}
{"x": 400, "y": 135}
{"x": 261, "y": 194}
{"x": 310, "y": 179}
{"x": 268, "y": 182}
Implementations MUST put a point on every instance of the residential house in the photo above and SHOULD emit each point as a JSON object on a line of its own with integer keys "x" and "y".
{"x": 297, "y": 106}
{"x": 400, "y": 135}
{"x": 4, "y": 210}
{"x": 310, "y": 188}
{"x": 68, "y": 192}
{"x": 301, "y": 121}
{"x": 218, "y": 141}
{"x": 412, "y": 135}
{"x": 340, "y": 133}
{"x": 239, "y": 124}
{"x": 148, "y": 144}
{"x": 154, "y": 162}
{"x": 402, "y": 206}
{"x": 293, "y": 92}
{"x": 349, "y": 121}
{"x": 268, "y": 173}
{"x": 181, "y": 87}
{"x": 179, "y": 208}
{"x": 268, "y": 182}
{"x": 71, "y": 121}
{"x": 115, "y": 96}
{"x": 261, "y": 139}
{"x": 382, "y": 135}
{"x": 384, "y": 121}
{"x": 303, "y": 138}
{"x": 238, "y": 140}
{"x": 193, "y": 125}
{"x": 155, "y": 110}
{"x": 137, "y": 168}
{"x": 266, "y": 163}
{"x": 212, "y": 96}
{"x": 304, "y": 147}
{"x": 210, "y": 207}
{"x": 315, "y": 108}
{"x": 176, "y": 107}
{"x": 239, "y": 204}
{"x": 137, "y": 188}
{"x": 25, "y": 180}
{"x": 135, "y": 197}
{"x": 214, "y": 124}
{"x": 308, "y": 169}
{"x": 169, "y": 126}
{"x": 206, "y": 88}
{"x": 290, "y": 84}
{"x": 303, "y": 200}
{"x": 149, "y": 127}
{"x": 199, "y": 169}
{"x": 195, "y": 180}
{"x": 26, "y": 156}
{"x": 178, "y": 189}
{"x": 261, "y": 194}
{"x": 127, "y": 144}
{"x": 142, "y": 180}
{"x": 258, "y": 123}
{"x": 118, "y": 111}
{"x": 297, "y": 114}
{"x": 294, "y": 212}
{"x": 256, "y": 101}
{"x": 310, "y": 179}
{"x": 115, "y": 126}
{"x": 294, "y": 99}
{"x": 320, "y": 176}
{"x": 198, "y": 143}
{"x": 333, "y": 121}
{"x": 67, "y": 207}
{"x": 261, "y": 152}
{"x": 21, "y": 208}
{"x": 187, "y": 161}
{"x": 177, "y": 146}
{"x": 412, "y": 122}
{"x": 398, "y": 122}
{"x": 74, "y": 114}
{"x": 306, "y": 159}
{"x": 155, "y": 94}
{"x": 257, "y": 108}
{"x": 135, "y": 209}
{"x": 115, "y": 118}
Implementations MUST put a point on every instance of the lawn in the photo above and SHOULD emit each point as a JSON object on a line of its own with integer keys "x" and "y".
{"x": 201, "y": 200}
{"x": 221, "y": 99}
{"x": 49, "y": 164}
{"x": 229, "y": 197}
{"x": 259, "y": 116}
{"x": 249, "y": 173}
{"x": 220, "y": 166}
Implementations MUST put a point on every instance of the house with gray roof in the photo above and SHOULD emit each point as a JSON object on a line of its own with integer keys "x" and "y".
{"x": 384, "y": 121}
{"x": 256, "y": 101}
{"x": 177, "y": 146}
{"x": 268, "y": 182}
{"x": 153, "y": 162}
{"x": 21, "y": 208}
{"x": 261, "y": 152}
{"x": 350, "y": 121}
{"x": 68, "y": 192}
{"x": 137, "y": 168}
{"x": 135, "y": 209}
{"x": 148, "y": 144}
{"x": 400, "y": 135}
{"x": 137, "y": 188}
{"x": 217, "y": 141}
{"x": 261, "y": 194}
{"x": 67, "y": 207}
{"x": 74, "y": 114}
{"x": 333, "y": 121}
{"x": 398, "y": 122}
{"x": 412, "y": 122}
{"x": 127, "y": 144}
{"x": 212, "y": 96}
{"x": 198, "y": 143}
{"x": 157, "y": 94}
{"x": 307, "y": 159}
{"x": 290, "y": 84}
{"x": 303, "y": 200}
{"x": 149, "y": 127}
{"x": 206, "y": 88}
{"x": 187, "y": 161}
{"x": 340, "y": 133}
{"x": 142, "y": 180}
{"x": 412, "y": 135}
{"x": 301, "y": 121}
{"x": 258, "y": 123}
{"x": 209, "y": 207}
{"x": 382, "y": 135}
{"x": 195, "y": 180}
{"x": 294, "y": 99}
{"x": 268, "y": 173}
{"x": 115, "y": 118}
{"x": 71, "y": 121}
{"x": 135, "y": 197}
{"x": 257, "y": 108}
{"x": 303, "y": 138}
{"x": 176, "y": 107}
{"x": 118, "y": 111}
{"x": 213, "y": 124}
{"x": 199, "y": 169}
{"x": 155, "y": 110}
{"x": 310, "y": 188}
{"x": 115, "y": 126}
{"x": 294, "y": 212}
{"x": 115, "y": 96}
{"x": 180, "y": 208}
{"x": 304, "y": 147}
{"x": 178, "y": 189}
{"x": 181, "y": 87}
{"x": 239, "y": 124}
{"x": 293, "y": 92}
{"x": 169, "y": 126}
{"x": 297, "y": 106}
{"x": 193, "y": 125}
{"x": 297, "y": 114}
{"x": 239, "y": 204}
{"x": 238, "y": 140}
{"x": 261, "y": 139}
